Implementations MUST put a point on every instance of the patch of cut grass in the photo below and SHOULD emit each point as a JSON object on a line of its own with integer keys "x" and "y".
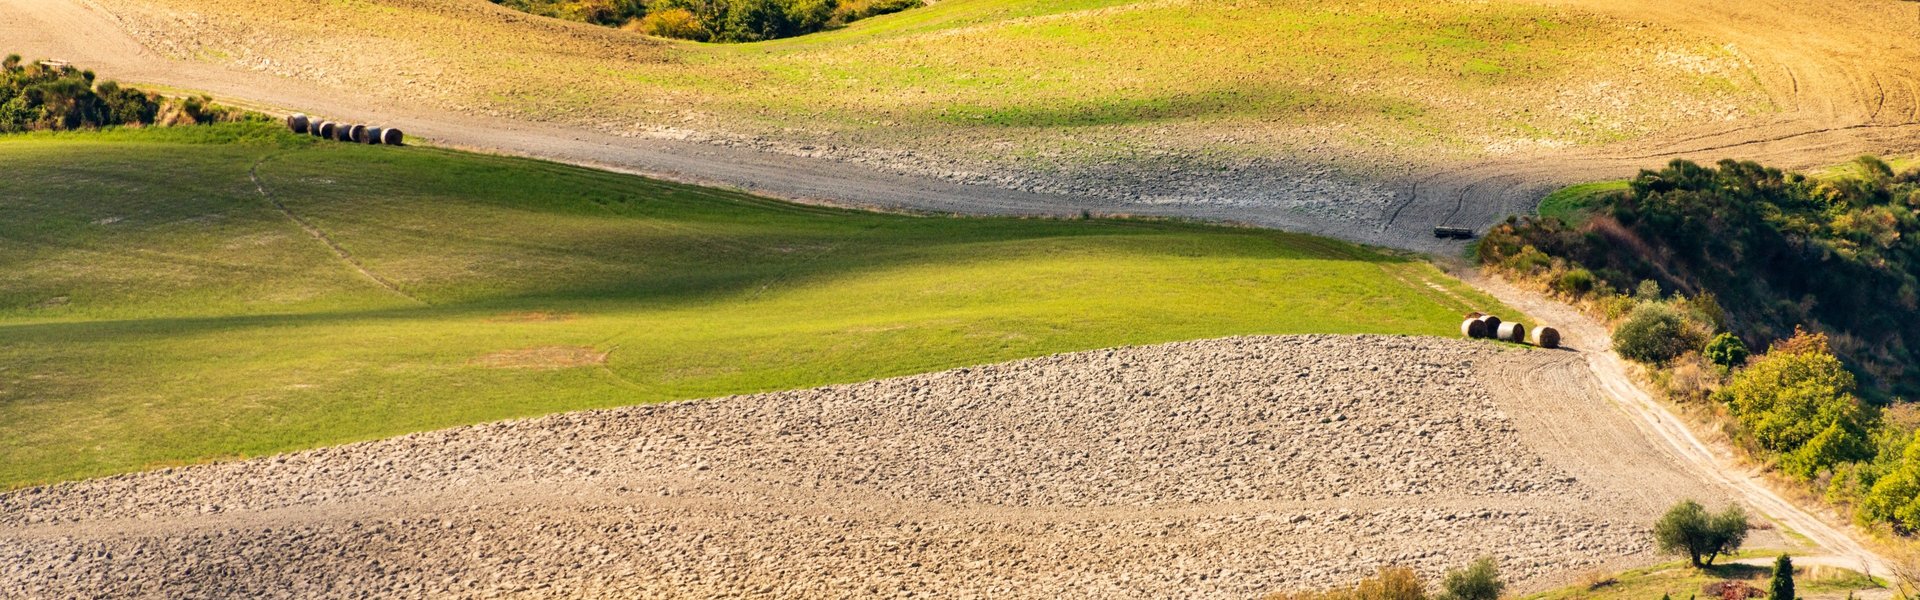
{"x": 156, "y": 310}
{"x": 1573, "y": 203}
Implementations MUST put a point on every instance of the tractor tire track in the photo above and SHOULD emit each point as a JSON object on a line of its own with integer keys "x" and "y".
{"x": 339, "y": 252}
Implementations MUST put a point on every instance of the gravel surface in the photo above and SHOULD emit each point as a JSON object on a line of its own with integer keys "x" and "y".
{"x": 1220, "y": 468}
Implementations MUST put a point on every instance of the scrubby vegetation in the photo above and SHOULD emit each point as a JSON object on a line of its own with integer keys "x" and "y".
{"x": 1777, "y": 250}
{"x": 1689, "y": 530}
{"x": 1824, "y": 272}
{"x": 716, "y": 20}
{"x": 41, "y": 96}
{"x": 1654, "y": 333}
{"x": 1477, "y": 581}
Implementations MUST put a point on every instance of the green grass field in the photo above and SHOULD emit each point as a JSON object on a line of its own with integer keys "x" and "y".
{"x": 156, "y": 309}
{"x": 1574, "y": 202}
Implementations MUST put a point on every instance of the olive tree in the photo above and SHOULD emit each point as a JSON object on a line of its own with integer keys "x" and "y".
{"x": 1689, "y": 529}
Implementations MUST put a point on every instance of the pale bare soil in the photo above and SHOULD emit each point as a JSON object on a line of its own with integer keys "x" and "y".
{"x": 1221, "y": 468}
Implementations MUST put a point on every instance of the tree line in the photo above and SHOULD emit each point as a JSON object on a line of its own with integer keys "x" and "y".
{"x": 715, "y": 20}
{"x": 1697, "y": 264}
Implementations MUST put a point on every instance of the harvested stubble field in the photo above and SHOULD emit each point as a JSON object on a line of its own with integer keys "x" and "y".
{"x": 1220, "y": 468}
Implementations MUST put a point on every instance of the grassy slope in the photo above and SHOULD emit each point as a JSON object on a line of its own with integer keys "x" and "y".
{"x": 155, "y": 309}
{"x": 1571, "y": 203}
{"x": 1678, "y": 581}
{"x": 1387, "y": 77}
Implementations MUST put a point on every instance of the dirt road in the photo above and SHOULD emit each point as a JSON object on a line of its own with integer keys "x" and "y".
{"x": 1704, "y": 460}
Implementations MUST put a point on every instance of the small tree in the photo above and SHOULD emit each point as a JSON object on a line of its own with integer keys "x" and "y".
{"x": 1689, "y": 529}
{"x": 1797, "y": 401}
{"x": 1478, "y": 581}
{"x": 1782, "y": 586}
{"x": 1654, "y": 333}
{"x": 1726, "y": 350}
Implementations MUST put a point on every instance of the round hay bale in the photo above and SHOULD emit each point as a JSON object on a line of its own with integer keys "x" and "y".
{"x": 326, "y": 129}
{"x": 374, "y": 134}
{"x": 357, "y": 133}
{"x": 392, "y": 137}
{"x": 1473, "y": 328}
{"x": 1546, "y": 337}
{"x": 1493, "y": 324}
{"x": 1513, "y": 332}
{"x": 297, "y": 122}
{"x": 343, "y": 132}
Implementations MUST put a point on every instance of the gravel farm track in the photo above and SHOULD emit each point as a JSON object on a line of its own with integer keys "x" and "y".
{"x": 1591, "y": 454}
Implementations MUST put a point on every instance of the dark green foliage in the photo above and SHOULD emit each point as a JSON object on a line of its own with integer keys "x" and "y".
{"x": 35, "y": 97}
{"x": 58, "y": 97}
{"x": 1478, "y": 581}
{"x": 1576, "y": 282}
{"x": 1690, "y": 530}
{"x": 1782, "y": 586}
{"x": 598, "y": 12}
{"x": 1653, "y": 333}
{"x": 715, "y": 20}
{"x": 1778, "y": 249}
{"x": 1726, "y": 350}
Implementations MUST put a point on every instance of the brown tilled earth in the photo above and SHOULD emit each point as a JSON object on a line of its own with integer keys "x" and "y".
{"x": 1221, "y": 468}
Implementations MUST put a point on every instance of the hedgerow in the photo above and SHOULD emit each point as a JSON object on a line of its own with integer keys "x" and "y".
{"x": 715, "y": 20}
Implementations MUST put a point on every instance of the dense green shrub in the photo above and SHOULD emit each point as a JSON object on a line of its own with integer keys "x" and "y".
{"x": 1688, "y": 529}
{"x": 715, "y": 20}
{"x": 1654, "y": 333}
{"x": 674, "y": 23}
{"x": 1895, "y": 497}
{"x": 598, "y": 12}
{"x": 1478, "y": 581}
{"x": 1392, "y": 583}
{"x": 1726, "y": 350}
{"x": 1778, "y": 249}
{"x": 34, "y": 96}
{"x": 1797, "y": 402}
{"x": 1576, "y": 281}
{"x": 43, "y": 97}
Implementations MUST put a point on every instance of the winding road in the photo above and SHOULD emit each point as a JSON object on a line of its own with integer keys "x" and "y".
{"x": 1844, "y": 78}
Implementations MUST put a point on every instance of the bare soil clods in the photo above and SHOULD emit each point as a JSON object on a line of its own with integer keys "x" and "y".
{"x": 1221, "y": 468}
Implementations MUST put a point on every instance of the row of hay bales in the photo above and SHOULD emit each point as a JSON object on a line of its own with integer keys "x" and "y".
{"x": 1485, "y": 326}
{"x": 345, "y": 132}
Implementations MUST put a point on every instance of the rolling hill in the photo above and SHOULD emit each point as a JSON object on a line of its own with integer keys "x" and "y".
{"x": 175, "y": 295}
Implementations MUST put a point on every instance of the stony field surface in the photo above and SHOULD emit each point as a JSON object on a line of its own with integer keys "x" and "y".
{"x": 1219, "y": 468}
